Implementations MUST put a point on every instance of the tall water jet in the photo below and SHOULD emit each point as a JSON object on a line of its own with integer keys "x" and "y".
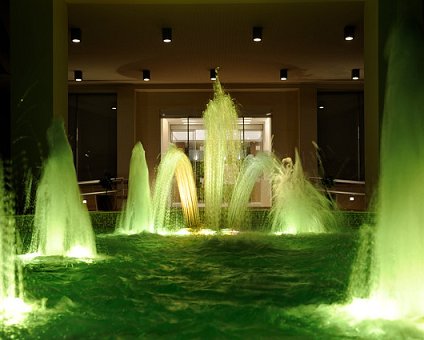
{"x": 253, "y": 167}
{"x": 222, "y": 153}
{"x": 397, "y": 272}
{"x": 175, "y": 162}
{"x": 11, "y": 283}
{"x": 136, "y": 216}
{"x": 298, "y": 206}
{"x": 62, "y": 224}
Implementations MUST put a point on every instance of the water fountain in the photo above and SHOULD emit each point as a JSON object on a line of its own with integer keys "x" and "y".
{"x": 136, "y": 216}
{"x": 62, "y": 225}
{"x": 222, "y": 154}
{"x": 175, "y": 163}
{"x": 395, "y": 286}
{"x": 253, "y": 167}
{"x": 12, "y": 306}
{"x": 299, "y": 207}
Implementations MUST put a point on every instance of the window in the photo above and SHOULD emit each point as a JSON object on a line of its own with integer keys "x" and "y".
{"x": 341, "y": 134}
{"x": 189, "y": 134}
{"x": 92, "y": 134}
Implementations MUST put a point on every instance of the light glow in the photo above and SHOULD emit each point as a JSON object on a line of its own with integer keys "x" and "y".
{"x": 13, "y": 311}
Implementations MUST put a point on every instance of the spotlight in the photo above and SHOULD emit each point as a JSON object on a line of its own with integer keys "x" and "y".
{"x": 166, "y": 34}
{"x": 78, "y": 75}
{"x": 349, "y": 32}
{"x": 213, "y": 74}
{"x": 283, "y": 74}
{"x": 75, "y": 35}
{"x": 146, "y": 75}
{"x": 257, "y": 34}
{"x": 355, "y": 73}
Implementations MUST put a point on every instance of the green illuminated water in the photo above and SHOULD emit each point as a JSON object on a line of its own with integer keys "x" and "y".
{"x": 394, "y": 287}
{"x": 174, "y": 163}
{"x": 252, "y": 169}
{"x": 136, "y": 216}
{"x": 62, "y": 225}
{"x": 10, "y": 270}
{"x": 222, "y": 153}
{"x": 245, "y": 286}
{"x": 298, "y": 206}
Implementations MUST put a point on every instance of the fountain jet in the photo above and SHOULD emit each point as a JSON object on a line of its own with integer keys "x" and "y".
{"x": 175, "y": 162}
{"x": 62, "y": 225}
{"x": 298, "y": 206}
{"x": 136, "y": 216}
{"x": 222, "y": 153}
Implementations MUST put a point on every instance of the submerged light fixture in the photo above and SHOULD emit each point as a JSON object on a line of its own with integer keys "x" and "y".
{"x": 75, "y": 35}
{"x": 146, "y": 75}
{"x": 167, "y": 34}
{"x": 257, "y": 34}
{"x": 78, "y": 75}
{"x": 283, "y": 74}
{"x": 212, "y": 73}
{"x": 355, "y": 74}
{"x": 349, "y": 32}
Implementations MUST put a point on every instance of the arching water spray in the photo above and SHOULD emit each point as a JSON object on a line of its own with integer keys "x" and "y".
{"x": 175, "y": 162}
{"x": 252, "y": 169}
{"x": 136, "y": 216}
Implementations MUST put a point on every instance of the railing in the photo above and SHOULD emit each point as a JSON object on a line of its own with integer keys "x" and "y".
{"x": 98, "y": 198}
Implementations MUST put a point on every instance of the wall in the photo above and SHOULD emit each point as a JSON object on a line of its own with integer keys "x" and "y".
{"x": 282, "y": 103}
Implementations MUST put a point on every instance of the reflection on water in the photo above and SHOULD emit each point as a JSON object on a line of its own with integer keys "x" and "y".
{"x": 245, "y": 285}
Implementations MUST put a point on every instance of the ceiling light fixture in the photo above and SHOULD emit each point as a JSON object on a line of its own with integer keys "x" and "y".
{"x": 283, "y": 74}
{"x": 78, "y": 75}
{"x": 257, "y": 34}
{"x": 212, "y": 74}
{"x": 166, "y": 34}
{"x": 146, "y": 75}
{"x": 349, "y": 32}
{"x": 75, "y": 35}
{"x": 355, "y": 73}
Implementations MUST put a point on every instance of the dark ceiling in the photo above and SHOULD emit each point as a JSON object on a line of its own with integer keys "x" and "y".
{"x": 306, "y": 37}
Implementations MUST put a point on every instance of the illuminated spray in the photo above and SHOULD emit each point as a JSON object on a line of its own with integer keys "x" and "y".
{"x": 62, "y": 225}
{"x": 136, "y": 216}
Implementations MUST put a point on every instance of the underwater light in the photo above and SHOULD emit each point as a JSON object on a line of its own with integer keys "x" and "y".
{"x": 79, "y": 252}
{"x": 13, "y": 311}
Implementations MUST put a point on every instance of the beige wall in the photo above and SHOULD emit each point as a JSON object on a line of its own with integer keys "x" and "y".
{"x": 283, "y": 104}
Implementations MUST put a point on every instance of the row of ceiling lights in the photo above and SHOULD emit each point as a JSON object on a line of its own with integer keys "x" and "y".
{"x": 349, "y": 34}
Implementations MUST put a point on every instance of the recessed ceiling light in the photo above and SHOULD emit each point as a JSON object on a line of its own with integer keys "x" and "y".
{"x": 257, "y": 34}
{"x": 146, "y": 75}
{"x": 283, "y": 74}
{"x": 355, "y": 73}
{"x": 166, "y": 34}
{"x": 349, "y": 32}
{"x": 78, "y": 75}
{"x": 75, "y": 35}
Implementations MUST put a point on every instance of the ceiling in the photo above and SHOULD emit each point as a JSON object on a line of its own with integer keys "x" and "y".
{"x": 306, "y": 37}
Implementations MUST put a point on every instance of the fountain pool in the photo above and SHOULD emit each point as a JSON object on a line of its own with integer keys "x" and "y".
{"x": 251, "y": 285}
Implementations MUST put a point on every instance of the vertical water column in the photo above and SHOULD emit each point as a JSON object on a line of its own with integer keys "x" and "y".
{"x": 136, "y": 216}
{"x": 12, "y": 306}
{"x": 222, "y": 153}
{"x": 398, "y": 268}
{"x": 62, "y": 224}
